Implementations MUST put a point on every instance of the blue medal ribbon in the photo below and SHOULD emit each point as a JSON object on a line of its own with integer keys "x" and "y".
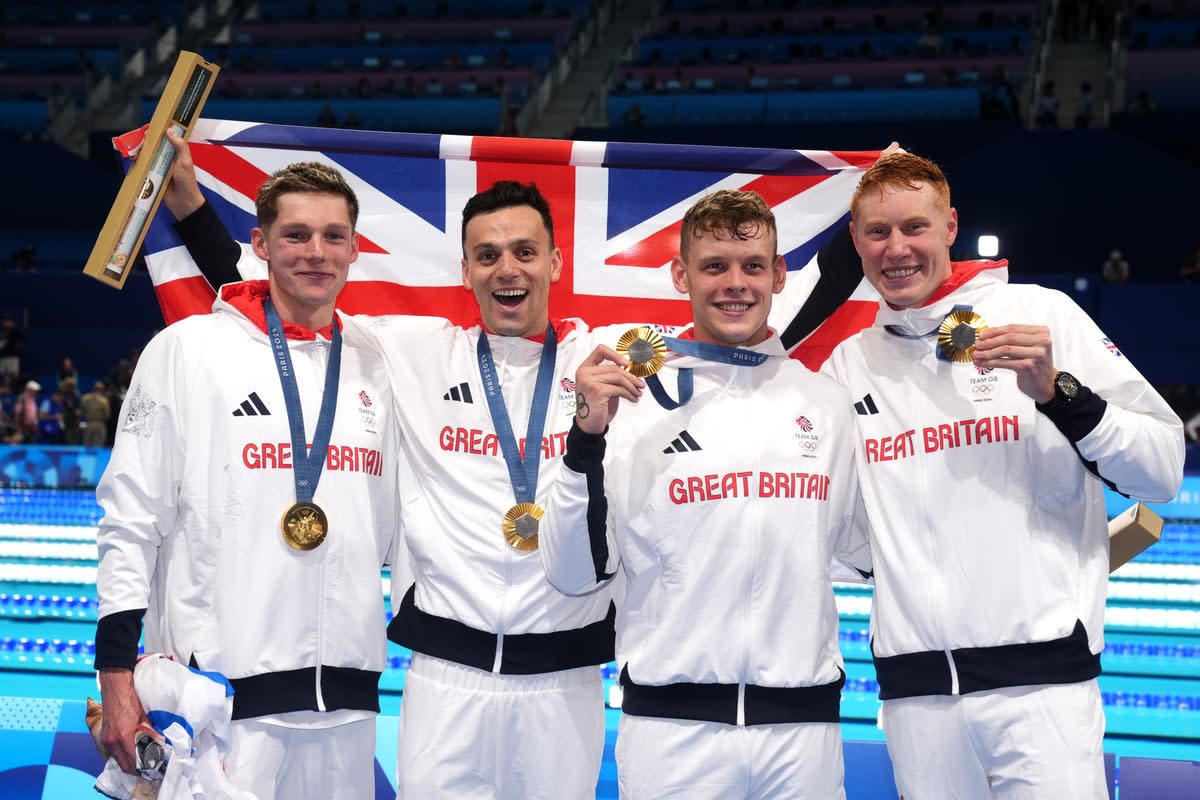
{"x": 522, "y": 472}
{"x": 735, "y": 356}
{"x": 306, "y": 465}
{"x": 896, "y": 330}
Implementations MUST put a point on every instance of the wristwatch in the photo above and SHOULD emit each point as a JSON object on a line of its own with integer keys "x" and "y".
{"x": 1066, "y": 387}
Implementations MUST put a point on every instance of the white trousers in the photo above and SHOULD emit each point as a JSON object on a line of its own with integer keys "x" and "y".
{"x": 1024, "y": 743}
{"x": 659, "y": 759}
{"x": 466, "y": 734}
{"x": 278, "y": 763}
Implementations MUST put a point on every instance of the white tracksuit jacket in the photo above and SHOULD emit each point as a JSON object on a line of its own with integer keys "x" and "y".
{"x": 989, "y": 532}
{"x": 466, "y": 595}
{"x": 199, "y": 479}
{"x": 722, "y": 517}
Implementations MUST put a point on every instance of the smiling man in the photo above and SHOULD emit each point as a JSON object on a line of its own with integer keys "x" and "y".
{"x": 982, "y": 462}
{"x": 235, "y": 526}
{"x": 503, "y": 698}
{"x": 720, "y": 508}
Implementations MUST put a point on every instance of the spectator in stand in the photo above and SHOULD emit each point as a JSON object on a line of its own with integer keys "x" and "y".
{"x": 1143, "y": 104}
{"x": 1047, "y": 107}
{"x": 25, "y": 411}
{"x": 1083, "y": 110}
{"x": 67, "y": 371}
{"x": 1116, "y": 268}
{"x": 70, "y": 411}
{"x": 11, "y": 434}
{"x": 12, "y": 339}
{"x": 95, "y": 411}
{"x": 50, "y": 418}
{"x": 7, "y": 398}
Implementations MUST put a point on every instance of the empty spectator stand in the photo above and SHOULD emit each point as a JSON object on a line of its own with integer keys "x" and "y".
{"x": 954, "y": 55}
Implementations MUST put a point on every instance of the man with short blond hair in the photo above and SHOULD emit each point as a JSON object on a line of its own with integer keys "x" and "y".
{"x": 720, "y": 504}
{"x": 250, "y": 504}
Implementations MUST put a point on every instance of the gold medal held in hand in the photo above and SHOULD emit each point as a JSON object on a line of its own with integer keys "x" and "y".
{"x": 645, "y": 349}
{"x": 958, "y": 334}
{"x": 304, "y": 526}
{"x": 520, "y": 526}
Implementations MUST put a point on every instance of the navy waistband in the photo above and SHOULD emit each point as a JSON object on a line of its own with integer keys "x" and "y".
{"x": 718, "y": 702}
{"x": 1065, "y": 660}
{"x": 296, "y": 690}
{"x": 524, "y": 653}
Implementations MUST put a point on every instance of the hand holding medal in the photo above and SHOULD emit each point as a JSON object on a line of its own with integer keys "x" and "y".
{"x": 607, "y": 376}
{"x": 1027, "y": 350}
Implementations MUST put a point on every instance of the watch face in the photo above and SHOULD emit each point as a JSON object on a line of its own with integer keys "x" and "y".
{"x": 1066, "y": 385}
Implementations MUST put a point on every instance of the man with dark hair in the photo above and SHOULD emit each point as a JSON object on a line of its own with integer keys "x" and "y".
{"x": 744, "y": 480}
{"x": 982, "y": 464}
{"x": 250, "y": 503}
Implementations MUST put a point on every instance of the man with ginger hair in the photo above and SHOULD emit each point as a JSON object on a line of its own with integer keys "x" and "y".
{"x": 990, "y": 416}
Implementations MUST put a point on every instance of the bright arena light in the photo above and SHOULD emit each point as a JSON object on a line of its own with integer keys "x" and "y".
{"x": 989, "y": 245}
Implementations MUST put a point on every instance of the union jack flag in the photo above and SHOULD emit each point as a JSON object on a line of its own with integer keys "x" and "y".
{"x": 805, "y": 424}
{"x": 567, "y": 385}
{"x": 364, "y": 398}
{"x": 617, "y": 211}
{"x": 1112, "y": 348}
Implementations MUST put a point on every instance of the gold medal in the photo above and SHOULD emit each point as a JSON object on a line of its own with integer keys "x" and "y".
{"x": 520, "y": 526}
{"x": 645, "y": 349}
{"x": 304, "y": 526}
{"x": 958, "y": 333}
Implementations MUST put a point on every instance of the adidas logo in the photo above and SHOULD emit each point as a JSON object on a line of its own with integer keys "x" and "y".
{"x": 683, "y": 443}
{"x": 866, "y": 406}
{"x": 460, "y": 393}
{"x": 252, "y": 406}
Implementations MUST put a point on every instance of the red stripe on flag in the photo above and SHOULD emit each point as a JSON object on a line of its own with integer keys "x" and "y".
{"x": 660, "y": 248}
{"x": 858, "y": 158}
{"x": 228, "y": 167}
{"x": 777, "y": 188}
{"x": 184, "y": 297}
{"x": 599, "y": 310}
{"x": 653, "y": 251}
{"x": 238, "y": 173}
{"x": 384, "y": 297}
{"x": 850, "y": 318}
{"x": 549, "y": 152}
{"x": 556, "y": 181}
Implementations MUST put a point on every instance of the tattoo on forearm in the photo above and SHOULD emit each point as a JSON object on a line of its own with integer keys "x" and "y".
{"x": 581, "y": 407}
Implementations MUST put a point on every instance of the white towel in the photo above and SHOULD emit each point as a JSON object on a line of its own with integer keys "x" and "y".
{"x": 192, "y": 710}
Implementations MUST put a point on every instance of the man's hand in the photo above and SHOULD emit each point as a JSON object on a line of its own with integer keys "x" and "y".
{"x": 182, "y": 195}
{"x": 1027, "y": 351}
{"x": 892, "y": 149}
{"x": 122, "y": 714}
{"x": 600, "y": 383}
